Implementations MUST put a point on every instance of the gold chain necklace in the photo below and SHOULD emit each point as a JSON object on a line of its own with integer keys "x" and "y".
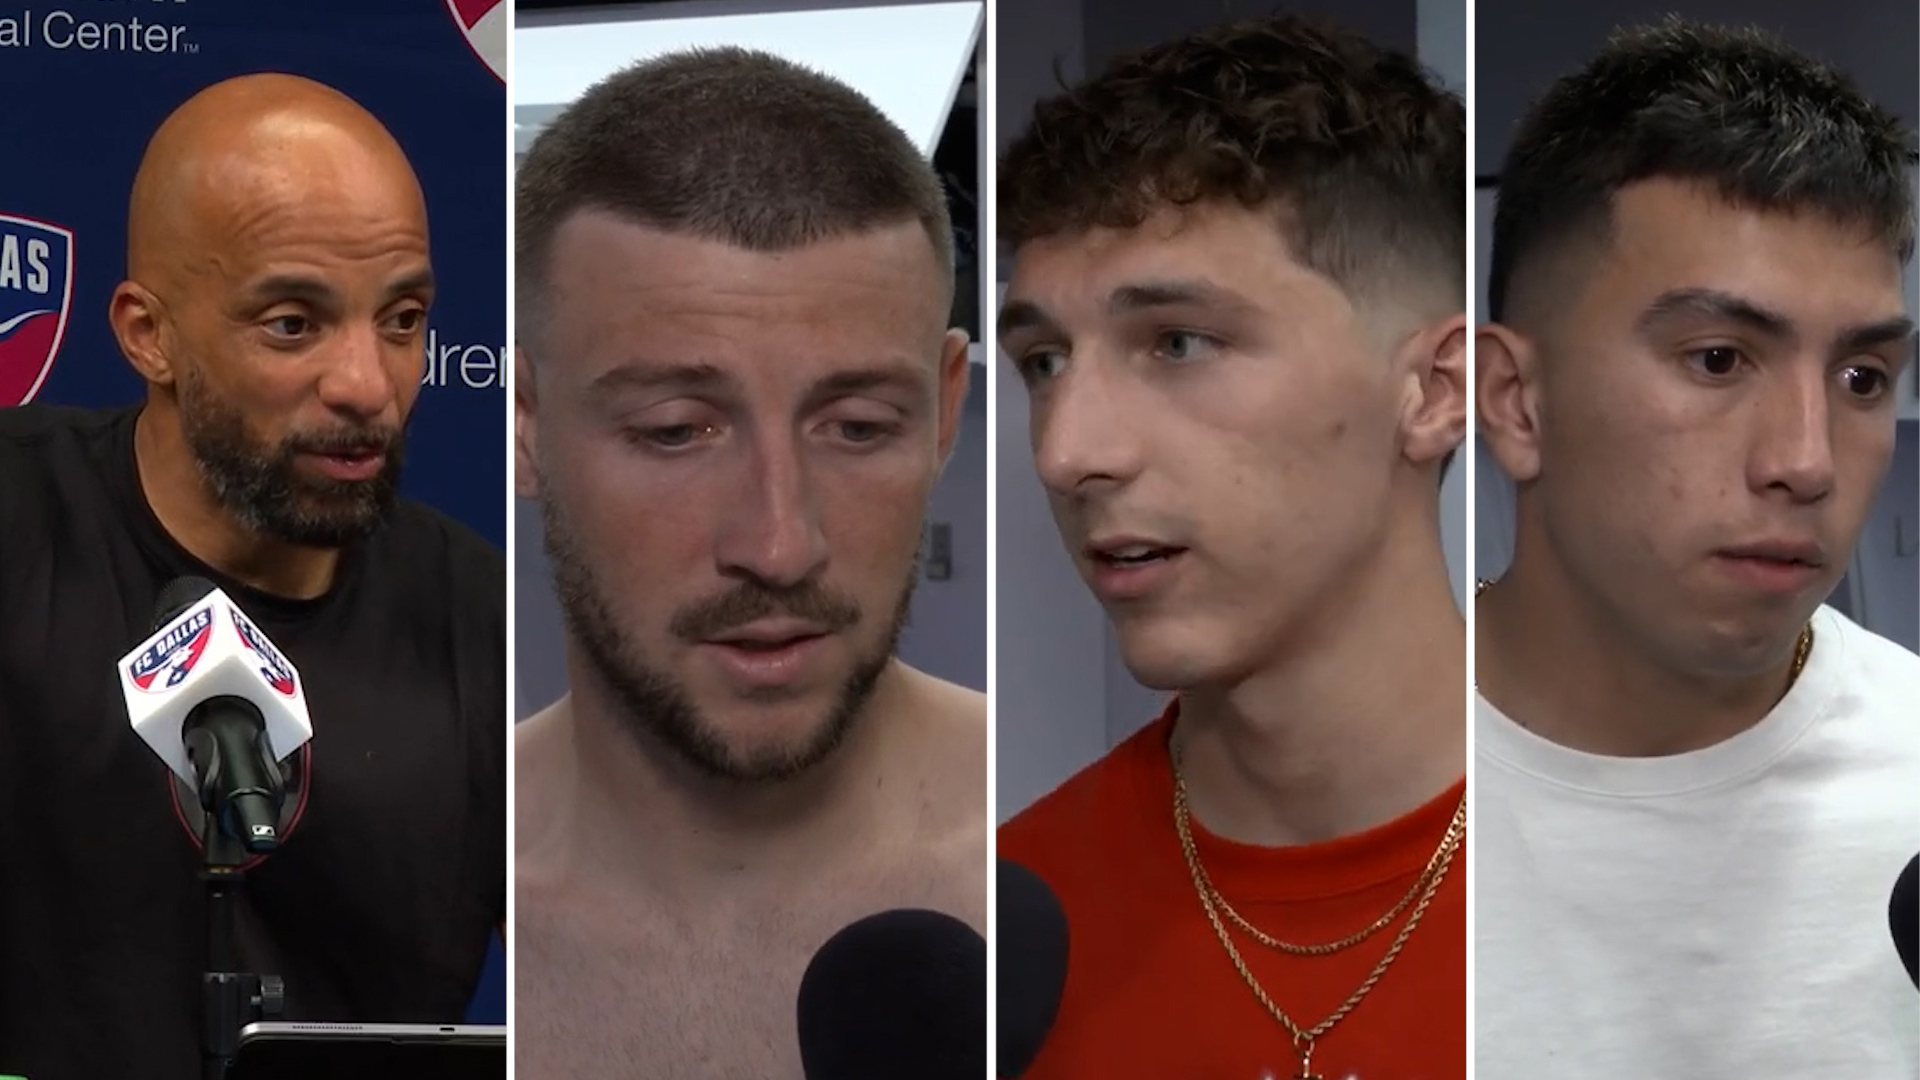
{"x": 1304, "y": 1038}
{"x": 1444, "y": 850}
{"x": 1802, "y": 646}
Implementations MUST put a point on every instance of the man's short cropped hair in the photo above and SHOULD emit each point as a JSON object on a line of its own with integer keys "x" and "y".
{"x": 725, "y": 144}
{"x": 1768, "y": 128}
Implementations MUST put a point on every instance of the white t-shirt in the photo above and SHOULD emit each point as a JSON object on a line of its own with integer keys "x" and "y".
{"x": 1716, "y": 915}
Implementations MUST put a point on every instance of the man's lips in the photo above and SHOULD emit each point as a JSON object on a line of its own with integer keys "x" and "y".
{"x": 769, "y": 634}
{"x": 1130, "y": 551}
{"x": 770, "y": 654}
{"x": 1127, "y": 569}
{"x": 1801, "y": 552}
{"x": 1781, "y": 567}
{"x": 353, "y": 464}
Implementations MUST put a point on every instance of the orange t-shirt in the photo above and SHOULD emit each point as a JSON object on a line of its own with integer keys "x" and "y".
{"x": 1150, "y": 991}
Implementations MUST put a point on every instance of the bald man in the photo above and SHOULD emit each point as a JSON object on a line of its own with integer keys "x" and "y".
{"x": 275, "y": 304}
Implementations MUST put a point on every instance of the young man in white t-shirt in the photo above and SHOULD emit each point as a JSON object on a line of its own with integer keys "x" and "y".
{"x": 1695, "y": 785}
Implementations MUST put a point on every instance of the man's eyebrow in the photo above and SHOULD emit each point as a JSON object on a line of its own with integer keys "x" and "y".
{"x": 842, "y": 383}
{"x": 276, "y": 288}
{"x": 911, "y": 377}
{"x": 1889, "y": 331}
{"x": 1715, "y": 304}
{"x": 643, "y": 375}
{"x": 1019, "y": 315}
{"x": 415, "y": 283}
{"x": 1173, "y": 292}
{"x": 698, "y": 376}
{"x": 317, "y": 292}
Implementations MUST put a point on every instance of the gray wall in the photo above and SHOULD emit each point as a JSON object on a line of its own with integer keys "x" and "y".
{"x": 947, "y": 636}
{"x": 1050, "y": 673}
{"x": 1062, "y": 696}
{"x": 1886, "y": 569}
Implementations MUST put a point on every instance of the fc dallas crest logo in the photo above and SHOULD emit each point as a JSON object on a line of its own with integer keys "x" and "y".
{"x": 36, "y": 292}
{"x": 484, "y": 22}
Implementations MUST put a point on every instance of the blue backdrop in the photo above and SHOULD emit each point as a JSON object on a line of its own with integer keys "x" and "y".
{"x": 86, "y": 82}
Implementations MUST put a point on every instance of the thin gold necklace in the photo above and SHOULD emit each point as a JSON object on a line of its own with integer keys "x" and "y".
{"x": 1305, "y": 1038}
{"x": 1458, "y": 826}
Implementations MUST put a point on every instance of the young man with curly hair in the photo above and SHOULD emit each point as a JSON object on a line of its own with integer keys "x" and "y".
{"x": 1237, "y": 306}
{"x": 1695, "y": 786}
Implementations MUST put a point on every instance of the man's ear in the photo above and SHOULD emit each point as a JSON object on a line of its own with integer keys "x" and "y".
{"x": 139, "y": 325}
{"x": 526, "y": 478}
{"x": 1433, "y": 418}
{"x": 1507, "y": 398}
{"x": 956, "y": 372}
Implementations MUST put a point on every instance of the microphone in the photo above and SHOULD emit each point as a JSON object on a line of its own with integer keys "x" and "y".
{"x": 897, "y": 994}
{"x": 1031, "y": 950}
{"x": 219, "y": 704}
{"x": 1903, "y": 912}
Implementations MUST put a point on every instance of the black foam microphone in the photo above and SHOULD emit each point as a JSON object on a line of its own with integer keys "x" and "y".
{"x": 896, "y": 995}
{"x": 1903, "y": 912}
{"x": 1030, "y": 945}
{"x": 176, "y": 597}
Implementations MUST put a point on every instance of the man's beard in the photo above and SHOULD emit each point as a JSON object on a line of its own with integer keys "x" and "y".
{"x": 655, "y": 707}
{"x": 264, "y": 490}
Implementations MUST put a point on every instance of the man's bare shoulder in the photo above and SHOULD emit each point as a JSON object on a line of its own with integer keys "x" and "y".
{"x": 539, "y": 745}
{"x": 541, "y": 724}
{"x": 954, "y": 712}
{"x": 949, "y": 750}
{"x": 950, "y": 734}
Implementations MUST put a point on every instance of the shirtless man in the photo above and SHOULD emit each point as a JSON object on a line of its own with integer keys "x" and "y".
{"x": 735, "y": 390}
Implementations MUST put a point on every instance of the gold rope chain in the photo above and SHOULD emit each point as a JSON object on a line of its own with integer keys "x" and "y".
{"x": 1303, "y": 1038}
{"x": 1447, "y": 843}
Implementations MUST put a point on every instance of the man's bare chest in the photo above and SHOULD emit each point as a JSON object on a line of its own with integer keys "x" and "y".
{"x": 604, "y": 989}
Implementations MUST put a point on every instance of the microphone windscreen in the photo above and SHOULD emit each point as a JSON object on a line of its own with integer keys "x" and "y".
{"x": 1030, "y": 950}
{"x": 1903, "y": 912}
{"x": 898, "y": 994}
{"x": 177, "y": 596}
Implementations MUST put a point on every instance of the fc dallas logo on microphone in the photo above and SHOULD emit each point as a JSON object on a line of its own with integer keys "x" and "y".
{"x": 273, "y": 667}
{"x": 172, "y": 658}
{"x": 484, "y": 22}
{"x": 36, "y": 291}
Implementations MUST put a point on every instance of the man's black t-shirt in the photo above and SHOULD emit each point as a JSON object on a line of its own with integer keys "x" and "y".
{"x": 379, "y": 905}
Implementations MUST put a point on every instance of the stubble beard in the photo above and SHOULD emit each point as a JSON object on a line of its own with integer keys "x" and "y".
{"x": 657, "y": 709}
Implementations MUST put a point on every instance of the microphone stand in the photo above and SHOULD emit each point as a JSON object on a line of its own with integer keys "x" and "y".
{"x": 230, "y": 999}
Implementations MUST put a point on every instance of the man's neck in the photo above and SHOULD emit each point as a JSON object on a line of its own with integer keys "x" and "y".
{"x": 639, "y": 812}
{"x": 1550, "y": 660}
{"x": 1359, "y": 719}
{"x": 189, "y": 513}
